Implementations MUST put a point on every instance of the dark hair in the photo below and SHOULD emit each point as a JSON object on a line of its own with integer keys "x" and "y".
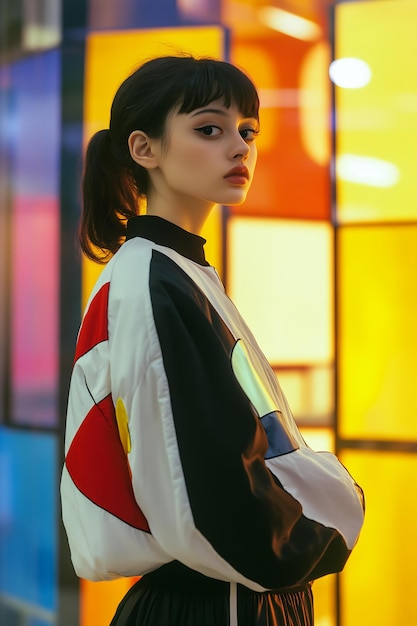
{"x": 113, "y": 182}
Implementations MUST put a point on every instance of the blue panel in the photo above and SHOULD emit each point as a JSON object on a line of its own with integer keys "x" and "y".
{"x": 132, "y": 14}
{"x": 28, "y": 513}
{"x": 34, "y": 123}
{"x": 157, "y": 13}
{"x": 128, "y": 14}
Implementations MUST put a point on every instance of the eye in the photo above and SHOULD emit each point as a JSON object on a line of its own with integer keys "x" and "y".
{"x": 209, "y": 130}
{"x": 249, "y": 134}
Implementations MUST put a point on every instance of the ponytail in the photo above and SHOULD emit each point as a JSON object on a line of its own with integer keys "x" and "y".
{"x": 110, "y": 197}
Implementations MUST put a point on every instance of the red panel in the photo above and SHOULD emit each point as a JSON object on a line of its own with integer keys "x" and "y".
{"x": 94, "y": 327}
{"x": 99, "y": 467}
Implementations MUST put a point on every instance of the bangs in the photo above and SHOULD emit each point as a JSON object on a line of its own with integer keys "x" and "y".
{"x": 217, "y": 80}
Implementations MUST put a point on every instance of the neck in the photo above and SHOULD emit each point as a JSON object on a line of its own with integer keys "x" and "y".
{"x": 189, "y": 215}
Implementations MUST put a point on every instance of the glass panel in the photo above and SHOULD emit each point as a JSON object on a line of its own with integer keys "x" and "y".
{"x": 376, "y": 123}
{"x": 199, "y": 11}
{"x": 319, "y": 439}
{"x": 378, "y": 583}
{"x": 29, "y": 25}
{"x": 280, "y": 277}
{"x": 310, "y": 393}
{"x": 101, "y": 599}
{"x": 28, "y": 509}
{"x": 42, "y": 24}
{"x": 111, "y": 15}
{"x": 128, "y": 14}
{"x": 11, "y": 24}
{"x": 288, "y": 59}
{"x": 34, "y": 116}
{"x": 4, "y": 227}
{"x": 292, "y": 178}
{"x": 377, "y": 304}
{"x": 324, "y": 590}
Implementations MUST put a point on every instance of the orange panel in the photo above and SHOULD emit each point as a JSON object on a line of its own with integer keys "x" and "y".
{"x": 99, "y": 601}
{"x": 292, "y": 178}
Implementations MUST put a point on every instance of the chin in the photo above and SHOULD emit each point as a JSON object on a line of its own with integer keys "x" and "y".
{"x": 235, "y": 202}
{"x": 234, "y": 199}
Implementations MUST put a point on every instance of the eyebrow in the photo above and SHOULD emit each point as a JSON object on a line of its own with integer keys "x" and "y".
{"x": 218, "y": 111}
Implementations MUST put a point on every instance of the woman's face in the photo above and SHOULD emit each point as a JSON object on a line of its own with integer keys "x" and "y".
{"x": 207, "y": 155}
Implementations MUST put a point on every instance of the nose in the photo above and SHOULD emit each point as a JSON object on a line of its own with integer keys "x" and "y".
{"x": 240, "y": 148}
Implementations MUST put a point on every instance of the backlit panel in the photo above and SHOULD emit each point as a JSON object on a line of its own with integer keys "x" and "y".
{"x": 319, "y": 439}
{"x": 34, "y": 95}
{"x": 377, "y": 302}
{"x": 377, "y": 587}
{"x": 310, "y": 392}
{"x": 280, "y": 277}
{"x": 28, "y": 514}
{"x": 376, "y": 124}
{"x": 4, "y": 197}
{"x": 292, "y": 175}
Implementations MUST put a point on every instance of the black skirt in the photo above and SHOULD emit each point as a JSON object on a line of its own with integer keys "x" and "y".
{"x": 174, "y": 595}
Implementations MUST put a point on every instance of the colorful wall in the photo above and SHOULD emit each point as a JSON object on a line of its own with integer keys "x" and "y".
{"x": 321, "y": 260}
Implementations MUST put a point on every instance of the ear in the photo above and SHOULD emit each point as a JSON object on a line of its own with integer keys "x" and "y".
{"x": 141, "y": 149}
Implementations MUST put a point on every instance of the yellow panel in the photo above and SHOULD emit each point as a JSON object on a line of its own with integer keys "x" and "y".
{"x": 325, "y": 601}
{"x": 310, "y": 393}
{"x": 378, "y": 121}
{"x": 110, "y": 58}
{"x": 319, "y": 439}
{"x": 378, "y": 331}
{"x": 378, "y": 584}
{"x": 280, "y": 277}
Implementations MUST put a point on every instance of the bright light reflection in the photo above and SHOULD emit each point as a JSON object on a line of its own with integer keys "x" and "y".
{"x": 289, "y": 24}
{"x": 350, "y": 73}
{"x": 367, "y": 170}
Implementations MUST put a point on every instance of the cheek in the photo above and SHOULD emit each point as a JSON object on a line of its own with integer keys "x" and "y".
{"x": 192, "y": 154}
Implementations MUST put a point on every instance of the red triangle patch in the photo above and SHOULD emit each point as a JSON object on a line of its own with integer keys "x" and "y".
{"x": 99, "y": 467}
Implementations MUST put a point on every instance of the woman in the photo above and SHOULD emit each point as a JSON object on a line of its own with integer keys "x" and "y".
{"x": 183, "y": 462}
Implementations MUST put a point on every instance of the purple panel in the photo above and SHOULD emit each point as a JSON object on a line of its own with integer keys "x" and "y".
{"x": 34, "y": 116}
{"x": 151, "y": 13}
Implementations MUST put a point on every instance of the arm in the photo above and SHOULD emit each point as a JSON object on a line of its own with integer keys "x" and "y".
{"x": 199, "y": 469}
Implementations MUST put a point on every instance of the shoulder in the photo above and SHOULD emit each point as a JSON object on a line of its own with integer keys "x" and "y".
{"x": 143, "y": 279}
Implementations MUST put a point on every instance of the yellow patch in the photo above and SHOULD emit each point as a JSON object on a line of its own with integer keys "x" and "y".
{"x": 123, "y": 425}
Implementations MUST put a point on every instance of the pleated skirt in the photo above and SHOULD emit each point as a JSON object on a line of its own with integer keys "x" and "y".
{"x": 177, "y": 596}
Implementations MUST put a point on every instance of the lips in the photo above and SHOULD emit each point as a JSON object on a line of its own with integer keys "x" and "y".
{"x": 239, "y": 175}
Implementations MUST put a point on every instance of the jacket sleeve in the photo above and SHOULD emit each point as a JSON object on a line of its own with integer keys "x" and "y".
{"x": 205, "y": 473}
{"x": 175, "y": 450}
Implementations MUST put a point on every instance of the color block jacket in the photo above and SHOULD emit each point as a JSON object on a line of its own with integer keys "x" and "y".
{"x": 179, "y": 442}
